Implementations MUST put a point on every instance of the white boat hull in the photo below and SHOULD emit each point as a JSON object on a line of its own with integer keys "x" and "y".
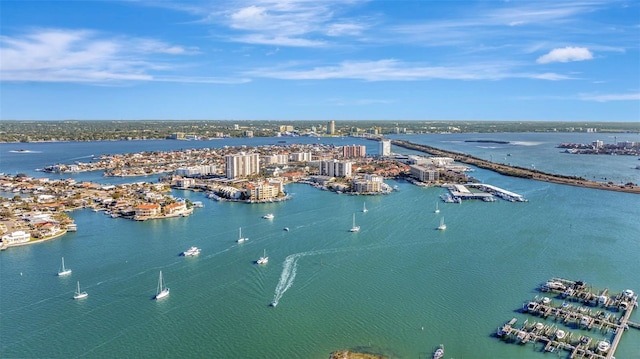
{"x": 162, "y": 294}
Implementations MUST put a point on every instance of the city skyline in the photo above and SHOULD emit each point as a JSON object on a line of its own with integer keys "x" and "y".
{"x": 307, "y": 60}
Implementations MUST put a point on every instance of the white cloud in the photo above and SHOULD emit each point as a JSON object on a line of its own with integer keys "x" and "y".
{"x": 82, "y": 56}
{"x": 551, "y": 76}
{"x": 260, "y": 39}
{"x": 394, "y": 70}
{"x": 566, "y": 54}
{"x": 340, "y": 29}
{"x": 612, "y": 97}
{"x": 293, "y": 23}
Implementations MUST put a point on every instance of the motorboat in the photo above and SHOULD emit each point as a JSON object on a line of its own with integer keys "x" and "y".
{"x": 193, "y": 251}
{"x": 439, "y": 353}
{"x": 268, "y": 216}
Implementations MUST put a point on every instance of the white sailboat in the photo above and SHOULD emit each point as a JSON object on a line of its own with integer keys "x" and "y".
{"x": 64, "y": 271}
{"x": 264, "y": 259}
{"x": 354, "y": 228}
{"x": 442, "y": 226}
{"x": 240, "y": 238}
{"x": 364, "y": 208}
{"x": 78, "y": 294}
{"x": 162, "y": 291}
{"x": 437, "y": 209}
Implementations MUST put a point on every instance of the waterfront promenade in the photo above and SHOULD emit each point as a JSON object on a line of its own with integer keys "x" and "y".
{"x": 516, "y": 171}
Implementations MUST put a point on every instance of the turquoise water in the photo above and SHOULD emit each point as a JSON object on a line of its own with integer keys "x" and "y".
{"x": 397, "y": 287}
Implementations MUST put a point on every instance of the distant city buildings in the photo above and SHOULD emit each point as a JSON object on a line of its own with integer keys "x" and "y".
{"x": 331, "y": 128}
{"x": 242, "y": 165}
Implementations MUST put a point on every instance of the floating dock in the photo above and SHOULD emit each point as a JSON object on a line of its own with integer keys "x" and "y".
{"x": 580, "y": 309}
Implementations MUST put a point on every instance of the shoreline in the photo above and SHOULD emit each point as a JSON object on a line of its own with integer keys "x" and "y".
{"x": 515, "y": 171}
{"x": 57, "y": 235}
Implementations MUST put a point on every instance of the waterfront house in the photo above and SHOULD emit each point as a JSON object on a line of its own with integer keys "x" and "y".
{"x": 16, "y": 237}
{"x": 147, "y": 210}
{"x": 175, "y": 209}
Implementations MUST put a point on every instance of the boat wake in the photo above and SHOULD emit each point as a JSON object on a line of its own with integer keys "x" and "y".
{"x": 526, "y": 143}
{"x": 24, "y": 151}
{"x": 289, "y": 270}
{"x": 290, "y": 265}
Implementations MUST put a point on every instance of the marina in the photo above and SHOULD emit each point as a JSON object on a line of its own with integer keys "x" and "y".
{"x": 484, "y": 192}
{"x": 582, "y": 310}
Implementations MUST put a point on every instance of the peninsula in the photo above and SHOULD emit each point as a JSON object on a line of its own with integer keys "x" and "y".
{"x": 516, "y": 171}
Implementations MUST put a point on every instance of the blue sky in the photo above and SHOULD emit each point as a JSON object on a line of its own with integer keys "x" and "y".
{"x": 320, "y": 60}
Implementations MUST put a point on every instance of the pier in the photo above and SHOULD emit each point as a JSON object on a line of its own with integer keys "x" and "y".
{"x": 581, "y": 309}
{"x": 499, "y": 192}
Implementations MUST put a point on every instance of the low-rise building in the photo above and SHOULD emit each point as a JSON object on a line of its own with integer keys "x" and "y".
{"x": 424, "y": 174}
{"x": 147, "y": 209}
{"x": 175, "y": 208}
{"x": 16, "y": 237}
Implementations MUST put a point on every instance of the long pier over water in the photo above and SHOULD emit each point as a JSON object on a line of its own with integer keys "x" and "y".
{"x": 582, "y": 310}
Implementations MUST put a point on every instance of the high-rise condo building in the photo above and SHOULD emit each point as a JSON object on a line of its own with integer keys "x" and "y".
{"x": 385, "y": 148}
{"x": 354, "y": 151}
{"x": 336, "y": 168}
{"x": 331, "y": 127}
{"x": 242, "y": 165}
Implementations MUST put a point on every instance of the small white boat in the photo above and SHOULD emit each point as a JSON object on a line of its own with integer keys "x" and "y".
{"x": 354, "y": 228}
{"x": 264, "y": 259}
{"x": 78, "y": 294}
{"x": 442, "y": 226}
{"x": 64, "y": 271}
{"x": 273, "y": 304}
{"x": 162, "y": 290}
{"x": 439, "y": 353}
{"x": 268, "y": 216}
{"x": 437, "y": 209}
{"x": 364, "y": 208}
{"x": 193, "y": 251}
{"x": 240, "y": 237}
{"x": 286, "y": 229}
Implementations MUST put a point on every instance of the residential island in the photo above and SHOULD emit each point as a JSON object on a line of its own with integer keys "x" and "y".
{"x": 242, "y": 174}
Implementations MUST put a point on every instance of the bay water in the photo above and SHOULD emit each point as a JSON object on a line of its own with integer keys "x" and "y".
{"x": 399, "y": 287}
